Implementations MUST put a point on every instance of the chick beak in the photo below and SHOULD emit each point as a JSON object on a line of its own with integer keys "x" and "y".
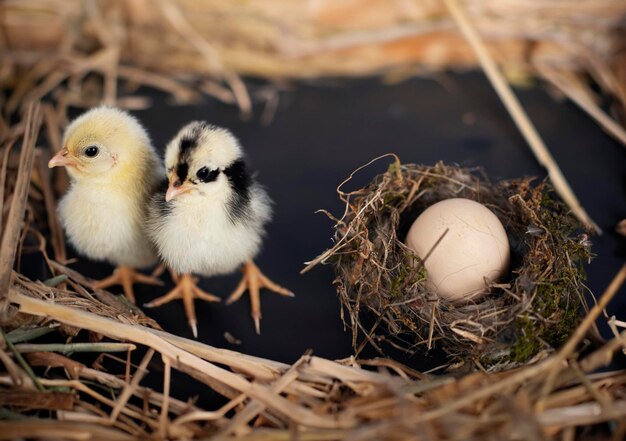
{"x": 62, "y": 159}
{"x": 176, "y": 188}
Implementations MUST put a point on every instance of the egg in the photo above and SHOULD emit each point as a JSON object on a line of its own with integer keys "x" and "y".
{"x": 464, "y": 247}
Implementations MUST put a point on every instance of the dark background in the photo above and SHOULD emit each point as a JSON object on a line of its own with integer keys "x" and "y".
{"x": 320, "y": 134}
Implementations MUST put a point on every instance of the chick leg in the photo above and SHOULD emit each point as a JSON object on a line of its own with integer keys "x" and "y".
{"x": 126, "y": 276}
{"x": 253, "y": 280}
{"x": 187, "y": 290}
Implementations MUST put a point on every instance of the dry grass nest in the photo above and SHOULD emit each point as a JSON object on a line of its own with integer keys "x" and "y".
{"x": 533, "y": 310}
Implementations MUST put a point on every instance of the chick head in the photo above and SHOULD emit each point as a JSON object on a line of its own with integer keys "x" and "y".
{"x": 204, "y": 160}
{"x": 103, "y": 143}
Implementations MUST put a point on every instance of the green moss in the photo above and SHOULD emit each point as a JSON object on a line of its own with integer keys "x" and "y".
{"x": 392, "y": 199}
{"x": 552, "y": 215}
{"x": 547, "y": 201}
{"x": 555, "y": 314}
{"x": 564, "y": 322}
{"x": 547, "y": 299}
{"x": 399, "y": 281}
{"x": 394, "y": 167}
{"x": 405, "y": 275}
{"x": 526, "y": 344}
{"x": 557, "y": 304}
{"x": 396, "y": 286}
{"x": 422, "y": 273}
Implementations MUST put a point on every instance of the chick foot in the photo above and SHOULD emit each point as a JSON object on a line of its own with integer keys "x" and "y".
{"x": 126, "y": 276}
{"x": 253, "y": 280}
{"x": 187, "y": 290}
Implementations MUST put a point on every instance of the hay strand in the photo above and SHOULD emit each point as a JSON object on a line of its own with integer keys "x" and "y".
{"x": 381, "y": 406}
{"x": 11, "y": 231}
{"x": 518, "y": 114}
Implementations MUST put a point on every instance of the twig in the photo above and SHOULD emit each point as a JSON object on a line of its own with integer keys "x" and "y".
{"x": 339, "y": 244}
{"x": 12, "y": 230}
{"x": 78, "y": 370}
{"x": 582, "y": 414}
{"x": 20, "y": 360}
{"x": 254, "y": 407}
{"x": 21, "y": 334}
{"x": 39, "y": 428}
{"x": 81, "y": 387}
{"x": 53, "y": 132}
{"x": 518, "y": 114}
{"x": 428, "y": 254}
{"x": 56, "y": 280}
{"x": 180, "y": 92}
{"x": 56, "y": 232}
{"x": 603, "y": 356}
{"x": 3, "y": 178}
{"x": 127, "y": 366}
{"x": 82, "y": 417}
{"x": 130, "y": 389}
{"x": 561, "y": 82}
{"x": 178, "y": 21}
{"x": 302, "y": 49}
{"x": 19, "y": 378}
{"x": 166, "y": 398}
{"x": 69, "y": 348}
{"x": 591, "y": 388}
{"x": 431, "y": 328}
{"x": 258, "y": 368}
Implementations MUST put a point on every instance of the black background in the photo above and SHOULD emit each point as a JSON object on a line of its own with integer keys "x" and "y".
{"x": 322, "y": 132}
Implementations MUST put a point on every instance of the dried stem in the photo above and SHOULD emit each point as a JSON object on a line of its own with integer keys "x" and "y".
{"x": 518, "y": 114}
{"x": 130, "y": 389}
{"x": 11, "y": 232}
{"x": 69, "y": 348}
{"x": 163, "y": 420}
{"x": 562, "y": 82}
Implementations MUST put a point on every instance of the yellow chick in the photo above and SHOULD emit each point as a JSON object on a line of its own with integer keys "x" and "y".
{"x": 113, "y": 169}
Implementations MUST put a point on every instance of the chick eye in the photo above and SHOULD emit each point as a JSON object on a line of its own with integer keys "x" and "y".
{"x": 92, "y": 151}
{"x": 206, "y": 175}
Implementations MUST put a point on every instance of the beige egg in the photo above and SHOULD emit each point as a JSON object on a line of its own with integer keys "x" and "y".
{"x": 473, "y": 253}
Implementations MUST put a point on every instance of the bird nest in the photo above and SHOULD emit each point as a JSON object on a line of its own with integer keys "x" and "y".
{"x": 532, "y": 311}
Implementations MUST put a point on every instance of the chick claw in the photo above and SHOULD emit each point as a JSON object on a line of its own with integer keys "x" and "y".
{"x": 253, "y": 280}
{"x": 126, "y": 276}
{"x": 187, "y": 290}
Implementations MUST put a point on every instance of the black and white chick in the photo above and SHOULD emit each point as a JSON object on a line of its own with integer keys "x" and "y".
{"x": 114, "y": 170}
{"x": 209, "y": 218}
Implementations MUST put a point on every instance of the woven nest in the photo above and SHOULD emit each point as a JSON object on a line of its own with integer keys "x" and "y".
{"x": 533, "y": 310}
